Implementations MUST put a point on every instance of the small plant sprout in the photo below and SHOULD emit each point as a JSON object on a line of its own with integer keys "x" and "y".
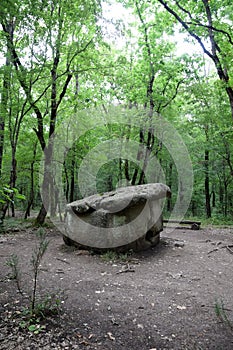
{"x": 111, "y": 256}
{"x": 39, "y": 307}
{"x": 220, "y": 312}
{"x": 37, "y": 256}
{"x": 13, "y": 263}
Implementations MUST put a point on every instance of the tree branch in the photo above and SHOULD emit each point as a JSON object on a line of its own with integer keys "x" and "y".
{"x": 21, "y": 73}
{"x": 186, "y": 27}
{"x": 62, "y": 94}
{"x": 214, "y": 29}
{"x": 174, "y": 95}
{"x": 212, "y": 55}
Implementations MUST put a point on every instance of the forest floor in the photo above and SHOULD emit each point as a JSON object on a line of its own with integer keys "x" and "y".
{"x": 178, "y": 295}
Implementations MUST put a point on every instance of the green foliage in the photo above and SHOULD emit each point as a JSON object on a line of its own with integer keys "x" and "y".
{"x": 17, "y": 224}
{"x": 12, "y": 262}
{"x": 217, "y": 220}
{"x": 8, "y": 194}
{"x": 221, "y": 313}
{"x": 47, "y": 306}
{"x": 112, "y": 256}
{"x": 32, "y": 325}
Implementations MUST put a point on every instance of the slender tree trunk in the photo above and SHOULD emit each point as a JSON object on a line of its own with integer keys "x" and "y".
{"x": 207, "y": 185}
{"x": 32, "y": 191}
{"x": 213, "y": 195}
{"x": 72, "y": 176}
{"x": 4, "y": 103}
{"x": 221, "y": 196}
{"x": 120, "y": 173}
{"x": 194, "y": 207}
{"x": 12, "y": 183}
{"x": 146, "y": 138}
{"x": 5, "y": 92}
{"x": 149, "y": 147}
{"x": 67, "y": 185}
{"x": 140, "y": 156}
{"x": 13, "y": 180}
{"x": 225, "y": 198}
{"x": 3, "y": 113}
{"x": 169, "y": 202}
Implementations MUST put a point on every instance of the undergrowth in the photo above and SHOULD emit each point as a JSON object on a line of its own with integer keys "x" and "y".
{"x": 38, "y": 307}
{"x": 222, "y": 313}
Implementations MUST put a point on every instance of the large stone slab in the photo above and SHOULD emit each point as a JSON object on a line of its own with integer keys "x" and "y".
{"x": 127, "y": 218}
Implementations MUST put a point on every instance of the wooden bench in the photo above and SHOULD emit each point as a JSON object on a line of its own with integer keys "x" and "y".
{"x": 193, "y": 225}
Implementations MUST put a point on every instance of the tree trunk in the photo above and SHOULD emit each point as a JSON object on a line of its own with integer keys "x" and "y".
{"x": 47, "y": 188}
{"x": 12, "y": 183}
{"x": 72, "y": 176}
{"x": 13, "y": 180}
{"x": 213, "y": 199}
{"x": 32, "y": 192}
{"x": 221, "y": 196}
{"x": 67, "y": 184}
{"x": 194, "y": 207}
{"x": 207, "y": 185}
{"x": 225, "y": 198}
{"x": 3, "y": 113}
{"x": 146, "y": 138}
{"x": 5, "y": 93}
{"x": 169, "y": 202}
{"x": 3, "y": 107}
{"x": 41, "y": 216}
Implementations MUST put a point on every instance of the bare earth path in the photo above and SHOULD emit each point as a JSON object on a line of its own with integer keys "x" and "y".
{"x": 163, "y": 298}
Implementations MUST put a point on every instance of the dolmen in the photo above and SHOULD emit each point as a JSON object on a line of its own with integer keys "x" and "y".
{"x": 128, "y": 218}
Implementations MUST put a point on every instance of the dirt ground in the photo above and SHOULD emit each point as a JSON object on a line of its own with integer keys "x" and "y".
{"x": 163, "y": 298}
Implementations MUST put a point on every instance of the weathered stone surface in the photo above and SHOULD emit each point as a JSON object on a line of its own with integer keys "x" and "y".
{"x": 127, "y": 218}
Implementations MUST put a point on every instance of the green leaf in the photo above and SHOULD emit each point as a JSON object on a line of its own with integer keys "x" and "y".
{"x": 33, "y": 328}
{"x": 20, "y": 196}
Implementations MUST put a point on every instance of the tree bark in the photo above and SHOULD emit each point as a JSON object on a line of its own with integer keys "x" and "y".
{"x": 32, "y": 192}
{"x": 47, "y": 185}
{"x": 72, "y": 175}
{"x": 207, "y": 185}
{"x": 13, "y": 180}
{"x": 169, "y": 202}
{"x": 5, "y": 90}
{"x": 41, "y": 216}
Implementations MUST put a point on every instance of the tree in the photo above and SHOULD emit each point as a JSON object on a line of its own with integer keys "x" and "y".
{"x": 203, "y": 102}
{"x": 207, "y": 22}
{"x": 48, "y": 27}
{"x": 152, "y": 80}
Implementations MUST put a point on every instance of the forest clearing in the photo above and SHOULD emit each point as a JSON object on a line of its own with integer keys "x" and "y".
{"x": 177, "y": 295}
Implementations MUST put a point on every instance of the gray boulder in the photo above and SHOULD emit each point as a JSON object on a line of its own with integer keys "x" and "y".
{"x": 124, "y": 219}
